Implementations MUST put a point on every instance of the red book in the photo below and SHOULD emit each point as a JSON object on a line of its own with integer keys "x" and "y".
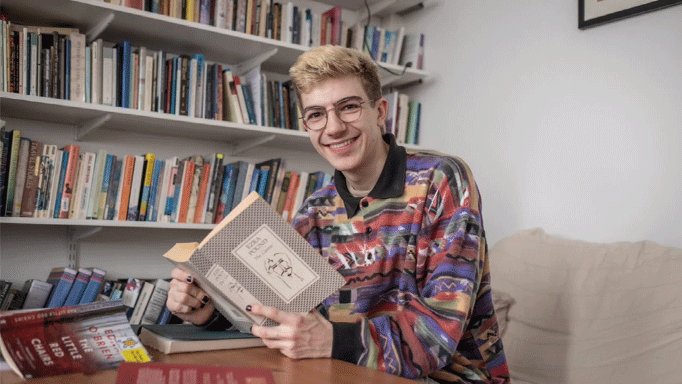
{"x": 84, "y": 338}
{"x": 334, "y": 14}
{"x": 69, "y": 179}
{"x": 291, "y": 197}
{"x": 206, "y": 374}
{"x": 201, "y": 197}
{"x": 137, "y": 4}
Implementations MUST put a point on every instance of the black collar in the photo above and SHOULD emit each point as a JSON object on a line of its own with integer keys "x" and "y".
{"x": 391, "y": 181}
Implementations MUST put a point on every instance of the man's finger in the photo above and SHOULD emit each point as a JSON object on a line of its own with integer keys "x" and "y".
{"x": 273, "y": 314}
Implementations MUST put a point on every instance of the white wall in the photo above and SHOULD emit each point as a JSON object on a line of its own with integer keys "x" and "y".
{"x": 576, "y": 131}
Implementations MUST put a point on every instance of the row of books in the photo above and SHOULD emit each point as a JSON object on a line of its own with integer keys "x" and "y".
{"x": 294, "y": 23}
{"x": 57, "y": 63}
{"x": 404, "y": 116}
{"x": 43, "y": 181}
{"x": 64, "y": 287}
{"x": 145, "y": 300}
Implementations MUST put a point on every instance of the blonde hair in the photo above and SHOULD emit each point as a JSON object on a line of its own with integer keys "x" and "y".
{"x": 333, "y": 62}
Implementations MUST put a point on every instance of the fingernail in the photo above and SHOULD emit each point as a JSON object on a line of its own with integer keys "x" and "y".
{"x": 189, "y": 279}
{"x": 205, "y": 299}
{"x": 248, "y": 308}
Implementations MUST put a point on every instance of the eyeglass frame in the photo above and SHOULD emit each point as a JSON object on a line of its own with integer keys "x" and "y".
{"x": 336, "y": 111}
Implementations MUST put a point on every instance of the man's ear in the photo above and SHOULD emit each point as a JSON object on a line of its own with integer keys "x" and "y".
{"x": 382, "y": 109}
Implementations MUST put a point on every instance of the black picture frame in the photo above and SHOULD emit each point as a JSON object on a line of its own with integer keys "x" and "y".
{"x": 617, "y": 12}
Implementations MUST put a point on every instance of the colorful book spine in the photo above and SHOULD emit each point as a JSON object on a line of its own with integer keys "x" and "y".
{"x": 61, "y": 279}
{"x": 135, "y": 189}
{"x": 149, "y": 161}
{"x": 126, "y": 183}
{"x": 60, "y": 184}
{"x": 12, "y": 171}
{"x": 78, "y": 286}
{"x": 201, "y": 197}
{"x": 112, "y": 195}
{"x": 227, "y": 195}
{"x": 69, "y": 179}
{"x": 94, "y": 285}
{"x": 104, "y": 190}
{"x": 154, "y": 192}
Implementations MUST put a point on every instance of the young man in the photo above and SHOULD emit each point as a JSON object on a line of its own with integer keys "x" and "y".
{"x": 405, "y": 231}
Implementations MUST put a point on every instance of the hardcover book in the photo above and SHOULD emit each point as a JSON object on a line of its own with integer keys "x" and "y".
{"x": 255, "y": 257}
{"x": 84, "y": 338}
{"x": 176, "y": 338}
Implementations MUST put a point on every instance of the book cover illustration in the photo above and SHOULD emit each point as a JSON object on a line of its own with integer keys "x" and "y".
{"x": 254, "y": 256}
{"x": 84, "y": 338}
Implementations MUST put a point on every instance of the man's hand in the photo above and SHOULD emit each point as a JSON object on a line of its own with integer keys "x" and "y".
{"x": 186, "y": 300}
{"x": 298, "y": 335}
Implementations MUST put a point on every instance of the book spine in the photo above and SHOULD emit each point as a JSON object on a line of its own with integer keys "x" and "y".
{"x": 135, "y": 189}
{"x": 186, "y": 191}
{"x": 155, "y": 190}
{"x": 216, "y": 188}
{"x": 60, "y": 186}
{"x": 126, "y": 184}
{"x": 226, "y": 196}
{"x": 78, "y": 286}
{"x": 104, "y": 191}
{"x": 157, "y": 302}
{"x": 61, "y": 279}
{"x": 94, "y": 285}
{"x": 112, "y": 194}
{"x": 149, "y": 160}
{"x": 28, "y": 202}
{"x": 12, "y": 171}
{"x": 69, "y": 179}
{"x": 201, "y": 197}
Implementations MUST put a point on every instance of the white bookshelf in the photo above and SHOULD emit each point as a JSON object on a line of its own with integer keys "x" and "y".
{"x": 29, "y": 247}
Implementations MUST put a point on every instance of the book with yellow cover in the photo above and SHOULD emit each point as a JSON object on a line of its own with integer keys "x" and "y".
{"x": 253, "y": 256}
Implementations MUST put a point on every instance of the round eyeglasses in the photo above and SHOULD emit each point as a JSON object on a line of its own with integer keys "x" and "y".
{"x": 347, "y": 110}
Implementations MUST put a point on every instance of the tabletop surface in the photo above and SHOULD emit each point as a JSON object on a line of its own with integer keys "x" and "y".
{"x": 284, "y": 369}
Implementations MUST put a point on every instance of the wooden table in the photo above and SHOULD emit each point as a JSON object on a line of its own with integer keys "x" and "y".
{"x": 284, "y": 369}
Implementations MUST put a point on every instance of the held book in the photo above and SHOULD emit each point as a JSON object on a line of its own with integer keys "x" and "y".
{"x": 84, "y": 338}
{"x": 159, "y": 373}
{"x": 255, "y": 257}
{"x": 176, "y": 338}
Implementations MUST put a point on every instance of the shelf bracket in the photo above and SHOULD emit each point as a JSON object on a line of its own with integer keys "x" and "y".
{"x": 75, "y": 235}
{"x": 94, "y": 32}
{"x": 82, "y": 130}
{"x": 249, "y": 64}
{"x": 248, "y": 144}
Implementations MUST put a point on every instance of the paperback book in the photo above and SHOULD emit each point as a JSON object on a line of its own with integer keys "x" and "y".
{"x": 253, "y": 256}
{"x": 84, "y": 338}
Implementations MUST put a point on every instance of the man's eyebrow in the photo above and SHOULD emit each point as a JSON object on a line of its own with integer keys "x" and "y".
{"x": 347, "y": 98}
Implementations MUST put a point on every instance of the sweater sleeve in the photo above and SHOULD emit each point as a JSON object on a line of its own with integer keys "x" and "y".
{"x": 423, "y": 333}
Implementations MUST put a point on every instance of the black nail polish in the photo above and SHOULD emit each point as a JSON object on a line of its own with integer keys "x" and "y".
{"x": 189, "y": 279}
{"x": 205, "y": 299}
{"x": 248, "y": 308}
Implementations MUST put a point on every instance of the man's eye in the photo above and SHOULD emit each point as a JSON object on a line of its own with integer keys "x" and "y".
{"x": 348, "y": 107}
{"x": 314, "y": 115}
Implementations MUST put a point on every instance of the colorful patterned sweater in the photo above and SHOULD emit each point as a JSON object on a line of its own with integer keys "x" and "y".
{"x": 417, "y": 299}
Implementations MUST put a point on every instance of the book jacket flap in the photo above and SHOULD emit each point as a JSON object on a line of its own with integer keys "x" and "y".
{"x": 181, "y": 252}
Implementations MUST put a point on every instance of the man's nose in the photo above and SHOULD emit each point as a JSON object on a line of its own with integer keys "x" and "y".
{"x": 334, "y": 124}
